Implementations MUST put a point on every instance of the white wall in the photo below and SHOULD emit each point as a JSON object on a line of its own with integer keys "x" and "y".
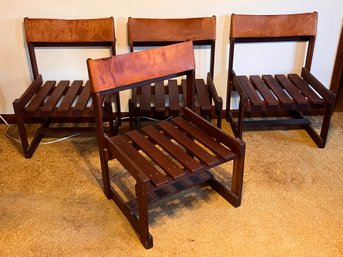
{"x": 15, "y": 74}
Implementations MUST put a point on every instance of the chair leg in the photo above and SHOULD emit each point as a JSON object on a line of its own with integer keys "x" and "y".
{"x": 240, "y": 122}
{"x": 320, "y": 139}
{"x": 219, "y": 117}
{"x": 237, "y": 176}
{"x": 29, "y": 148}
{"x": 105, "y": 176}
{"x": 143, "y": 221}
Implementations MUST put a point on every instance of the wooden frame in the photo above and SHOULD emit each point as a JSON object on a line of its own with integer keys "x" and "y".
{"x": 151, "y": 101}
{"x": 279, "y": 95}
{"x": 175, "y": 156}
{"x": 63, "y": 99}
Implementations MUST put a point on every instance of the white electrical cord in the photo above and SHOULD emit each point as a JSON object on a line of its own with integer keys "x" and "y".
{"x": 42, "y": 143}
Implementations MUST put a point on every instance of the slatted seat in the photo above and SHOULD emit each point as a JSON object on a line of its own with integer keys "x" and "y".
{"x": 169, "y": 156}
{"x": 60, "y": 101}
{"x": 280, "y": 95}
{"x": 166, "y": 99}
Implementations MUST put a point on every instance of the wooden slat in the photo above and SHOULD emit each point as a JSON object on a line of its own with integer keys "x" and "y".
{"x": 172, "y": 149}
{"x": 134, "y": 156}
{"x": 305, "y": 89}
{"x": 205, "y": 139}
{"x": 250, "y": 91}
{"x": 145, "y": 99}
{"x": 159, "y": 97}
{"x": 156, "y": 155}
{"x": 202, "y": 92}
{"x": 84, "y": 98}
{"x": 291, "y": 89}
{"x": 277, "y": 89}
{"x": 40, "y": 96}
{"x": 70, "y": 96}
{"x": 264, "y": 90}
{"x": 173, "y": 91}
{"x": 188, "y": 144}
{"x": 55, "y": 96}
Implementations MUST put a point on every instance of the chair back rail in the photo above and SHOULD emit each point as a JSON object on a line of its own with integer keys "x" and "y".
{"x": 41, "y": 32}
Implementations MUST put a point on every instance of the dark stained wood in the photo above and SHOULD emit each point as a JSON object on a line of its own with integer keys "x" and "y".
{"x": 264, "y": 90}
{"x": 167, "y": 157}
{"x": 303, "y": 86}
{"x": 188, "y": 143}
{"x": 164, "y": 142}
{"x": 277, "y": 90}
{"x": 276, "y": 98}
{"x": 250, "y": 91}
{"x": 70, "y": 96}
{"x": 156, "y": 155}
{"x": 174, "y": 98}
{"x": 37, "y": 101}
{"x": 152, "y": 32}
{"x": 44, "y": 100}
{"x": 55, "y": 96}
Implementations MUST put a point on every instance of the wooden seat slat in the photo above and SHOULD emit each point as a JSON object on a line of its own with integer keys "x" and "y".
{"x": 291, "y": 89}
{"x": 84, "y": 98}
{"x": 202, "y": 93}
{"x": 38, "y": 99}
{"x": 55, "y": 96}
{"x": 277, "y": 89}
{"x": 156, "y": 155}
{"x": 70, "y": 96}
{"x": 305, "y": 89}
{"x": 204, "y": 138}
{"x": 172, "y": 149}
{"x": 188, "y": 144}
{"x": 250, "y": 91}
{"x": 173, "y": 93}
{"x": 264, "y": 90}
{"x": 145, "y": 98}
{"x": 133, "y": 156}
{"x": 159, "y": 97}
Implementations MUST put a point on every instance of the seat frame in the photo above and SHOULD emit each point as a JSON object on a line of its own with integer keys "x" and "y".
{"x": 149, "y": 155}
{"x": 280, "y": 95}
{"x": 64, "y": 101}
{"x": 149, "y": 32}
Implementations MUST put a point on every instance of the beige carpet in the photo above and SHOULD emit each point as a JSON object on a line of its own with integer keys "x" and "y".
{"x": 53, "y": 204}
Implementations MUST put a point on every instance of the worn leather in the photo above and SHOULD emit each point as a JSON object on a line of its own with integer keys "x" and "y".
{"x": 155, "y": 30}
{"x": 126, "y": 69}
{"x": 263, "y": 26}
{"x": 59, "y": 31}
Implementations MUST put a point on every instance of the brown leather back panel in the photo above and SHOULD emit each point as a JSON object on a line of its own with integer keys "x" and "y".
{"x": 269, "y": 26}
{"x": 65, "y": 31}
{"x": 174, "y": 30}
{"x": 122, "y": 70}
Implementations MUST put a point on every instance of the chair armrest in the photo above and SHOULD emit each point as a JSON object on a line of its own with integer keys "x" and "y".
{"x": 328, "y": 95}
{"x": 21, "y": 102}
{"x": 235, "y": 144}
{"x": 238, "y": 86}
{"x": 218, "y": 101}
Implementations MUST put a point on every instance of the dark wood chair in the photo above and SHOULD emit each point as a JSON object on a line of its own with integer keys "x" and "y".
{"x": 278, "y": 95}
{"x": 166, "y": 99}
{"x": 61, "y": 101}
{"x": 169, "y": 156}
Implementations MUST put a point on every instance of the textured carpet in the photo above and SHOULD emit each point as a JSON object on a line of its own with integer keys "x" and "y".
{"x": 53, "y": 204}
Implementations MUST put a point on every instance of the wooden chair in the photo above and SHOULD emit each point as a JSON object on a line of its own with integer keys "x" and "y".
{"x": 62, "y": 101}
{"x": 169, "y": 156}
{"x": 162, "y": 101}
{"x": 280, "y": 95}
